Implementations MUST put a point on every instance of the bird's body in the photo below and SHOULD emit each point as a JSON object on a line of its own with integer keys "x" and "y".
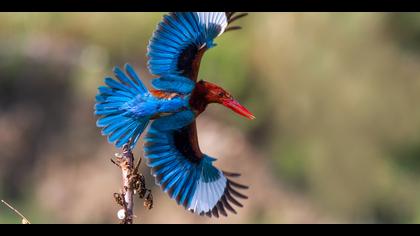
{"x": 149, "y": 105}
{"x": 176, "y": 100}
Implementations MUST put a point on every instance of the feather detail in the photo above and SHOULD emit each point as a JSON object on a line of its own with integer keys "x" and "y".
{"x": 116, "y": 121}
{"x": 176, "y": 44}
{"x": 174, "y": 83}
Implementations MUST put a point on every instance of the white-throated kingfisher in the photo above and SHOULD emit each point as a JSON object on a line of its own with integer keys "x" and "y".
{"x": 126, "y": 106}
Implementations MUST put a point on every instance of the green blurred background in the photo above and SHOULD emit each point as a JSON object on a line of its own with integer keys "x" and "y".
{"x": 336, "y": 139}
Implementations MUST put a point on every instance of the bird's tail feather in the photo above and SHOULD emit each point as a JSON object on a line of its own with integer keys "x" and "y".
{"x": 118, "y": 124}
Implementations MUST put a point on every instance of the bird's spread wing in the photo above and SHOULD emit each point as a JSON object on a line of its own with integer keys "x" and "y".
{"x": 180, "y": 40}
{"x": 178, "y": 44}
{"x": 188, "y": 175}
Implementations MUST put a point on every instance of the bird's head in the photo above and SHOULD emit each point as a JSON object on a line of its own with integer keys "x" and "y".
{"x": 215, "y": 94}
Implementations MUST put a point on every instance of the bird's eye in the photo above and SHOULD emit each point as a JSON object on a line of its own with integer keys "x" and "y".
{"x": 221, "y": 94}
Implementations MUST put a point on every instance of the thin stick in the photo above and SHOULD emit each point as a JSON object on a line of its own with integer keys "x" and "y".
{"x": 24, "y": 219}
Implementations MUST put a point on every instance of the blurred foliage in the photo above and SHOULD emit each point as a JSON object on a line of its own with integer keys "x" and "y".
{"x": 405, "y": 28}
{"x": 335, "y": 96}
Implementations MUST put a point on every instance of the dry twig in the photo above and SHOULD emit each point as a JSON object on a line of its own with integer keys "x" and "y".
{"x": 133, "y": 183}
{"x": 24, "y": 219}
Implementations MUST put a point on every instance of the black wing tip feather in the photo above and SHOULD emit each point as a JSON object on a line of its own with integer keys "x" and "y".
{"x": 232, "y": 17}
{"x": 230, "y": 196}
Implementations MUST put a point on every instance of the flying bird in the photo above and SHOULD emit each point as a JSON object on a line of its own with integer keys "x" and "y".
{"x": 126, "y": 107}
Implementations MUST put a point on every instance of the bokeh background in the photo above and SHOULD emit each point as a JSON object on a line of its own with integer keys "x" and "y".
{"x": 336, "y": 96}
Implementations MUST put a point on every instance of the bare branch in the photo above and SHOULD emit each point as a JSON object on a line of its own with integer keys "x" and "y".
{"x": 126, "y": 162}
{"x": 132, "y": 183}
{"x": 24, "y": 219}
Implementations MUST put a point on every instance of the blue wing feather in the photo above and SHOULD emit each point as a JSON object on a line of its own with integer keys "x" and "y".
{"x": 180, "y": 184}
{"x": 175, "y": 121}
{"x": 174, "y": 181}
{"x": 177, "y": 32}
{"x": 174, "y": 83}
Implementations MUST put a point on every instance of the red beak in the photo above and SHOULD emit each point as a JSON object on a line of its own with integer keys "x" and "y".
{"x": 238, "y": 108}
